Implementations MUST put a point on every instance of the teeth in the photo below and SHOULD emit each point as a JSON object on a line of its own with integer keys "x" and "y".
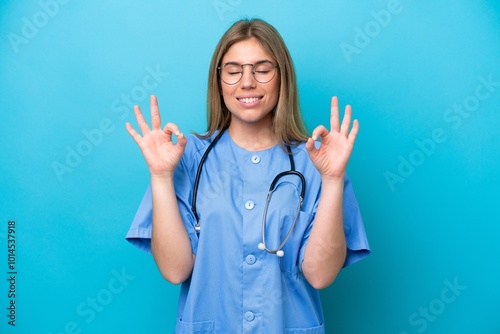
{"x": 249, "y": 99}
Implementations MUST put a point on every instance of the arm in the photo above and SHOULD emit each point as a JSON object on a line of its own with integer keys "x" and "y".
{"x": 325, "y": 251}
{"x": 170, "y": 243}
{"x": 326, "y": 248}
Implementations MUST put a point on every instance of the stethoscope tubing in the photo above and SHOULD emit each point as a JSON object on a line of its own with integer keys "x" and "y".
{"x": 278, "y": 251}
{"x": 197, "y": 226}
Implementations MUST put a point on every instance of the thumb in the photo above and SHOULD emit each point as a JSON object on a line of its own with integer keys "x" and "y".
{"x": 311, "y": 149}
{"x": 310, "y": 145}
{"x": 181, "y": 141}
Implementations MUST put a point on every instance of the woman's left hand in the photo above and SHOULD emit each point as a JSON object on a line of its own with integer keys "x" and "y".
{"x": 336, "y": 145}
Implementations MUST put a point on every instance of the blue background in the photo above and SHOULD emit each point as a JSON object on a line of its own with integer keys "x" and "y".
{"x": 65, "y": 68}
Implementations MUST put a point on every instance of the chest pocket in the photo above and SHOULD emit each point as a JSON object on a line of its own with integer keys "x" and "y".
{"x": 290, "y": 261}
{"x": 282, "y": 212}
{"x": 199, "y": 327}
{"x": 313, "y": 330}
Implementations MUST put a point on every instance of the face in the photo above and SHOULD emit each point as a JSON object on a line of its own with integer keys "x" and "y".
{"x": 249, "y": 101}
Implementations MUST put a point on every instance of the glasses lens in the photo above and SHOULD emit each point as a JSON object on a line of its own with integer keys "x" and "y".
{"x": 264, "y": 71}
{"x": 231, "y": 73}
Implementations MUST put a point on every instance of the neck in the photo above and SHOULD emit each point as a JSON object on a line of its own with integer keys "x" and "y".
{"x": 252, "y": 138}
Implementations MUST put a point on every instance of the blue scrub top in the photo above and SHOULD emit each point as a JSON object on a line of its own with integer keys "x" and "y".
{"x": 235, "y": 287}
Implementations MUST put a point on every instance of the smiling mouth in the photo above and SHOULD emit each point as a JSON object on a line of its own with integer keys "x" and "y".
{"x": 249, "y": 99}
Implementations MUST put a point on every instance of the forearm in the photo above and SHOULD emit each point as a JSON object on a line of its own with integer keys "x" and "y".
{"x": 326, "y": 248}
{"x": 170, "y": 243}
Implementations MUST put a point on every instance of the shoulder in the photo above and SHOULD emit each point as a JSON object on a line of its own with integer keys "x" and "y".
{"x": 303, "y": 163}
{"x": 195, "y": 147}
{"x": 300, "y": 152}
{"x": 196, "y": 144}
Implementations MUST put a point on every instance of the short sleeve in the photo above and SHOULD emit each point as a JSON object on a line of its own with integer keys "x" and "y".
{"x": 354, "y": 229}
{"x": 139, "y": 233}
{"x": 184, "y": 190}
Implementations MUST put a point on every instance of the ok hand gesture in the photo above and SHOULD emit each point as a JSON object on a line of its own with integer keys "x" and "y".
{"x": 158, "y": 149}
{"x": 336, "y": 146}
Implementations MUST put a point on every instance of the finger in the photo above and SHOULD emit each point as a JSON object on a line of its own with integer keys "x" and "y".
{"x": 346, "y": 122}
{"x": 319, "y": 131}
{"x": 155, "y": 113}
{"x": 172, "y": 128}
{"x": 354, "y": 131}
{"x": 143, "y": 125}
{"x": 334, "y": 114}
{"x": 137, "y": 137}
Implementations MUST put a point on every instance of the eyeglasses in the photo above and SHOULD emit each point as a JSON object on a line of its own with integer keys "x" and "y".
{"x": 263, "y": 71}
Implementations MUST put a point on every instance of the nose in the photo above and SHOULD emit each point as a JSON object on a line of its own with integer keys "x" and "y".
{"x": 247, "y": 79}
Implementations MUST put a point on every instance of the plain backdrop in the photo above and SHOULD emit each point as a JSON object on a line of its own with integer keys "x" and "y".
{"x": 423, "y": 79}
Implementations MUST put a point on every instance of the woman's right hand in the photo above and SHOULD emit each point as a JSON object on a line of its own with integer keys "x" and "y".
{"x": 158, "y": 149}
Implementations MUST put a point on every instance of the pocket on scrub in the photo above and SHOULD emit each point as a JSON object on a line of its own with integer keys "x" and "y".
{"x": 199, "y": 327}
{"x": 289, "y": 262}
{"x": 312, "y": 330}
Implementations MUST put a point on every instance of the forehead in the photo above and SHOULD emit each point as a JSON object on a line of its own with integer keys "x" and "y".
{"x": 247, "y": 51}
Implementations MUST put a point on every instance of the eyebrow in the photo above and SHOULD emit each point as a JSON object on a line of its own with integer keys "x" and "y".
{"x": 237, "y": 63}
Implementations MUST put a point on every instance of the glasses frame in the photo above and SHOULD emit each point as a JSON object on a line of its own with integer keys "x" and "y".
{"x": 219, "y": 69}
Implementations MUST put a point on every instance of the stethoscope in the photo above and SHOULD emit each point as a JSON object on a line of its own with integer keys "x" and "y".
{"x": 262, "y": 246}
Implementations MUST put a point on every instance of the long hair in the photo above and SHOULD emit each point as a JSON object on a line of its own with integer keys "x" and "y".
{"x": 287, "y": 123}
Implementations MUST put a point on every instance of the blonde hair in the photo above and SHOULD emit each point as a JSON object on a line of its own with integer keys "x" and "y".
{"x": 287, "y": 121}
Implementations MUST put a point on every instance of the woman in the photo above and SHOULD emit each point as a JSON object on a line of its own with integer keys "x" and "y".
{"x": 248, "y": 261}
